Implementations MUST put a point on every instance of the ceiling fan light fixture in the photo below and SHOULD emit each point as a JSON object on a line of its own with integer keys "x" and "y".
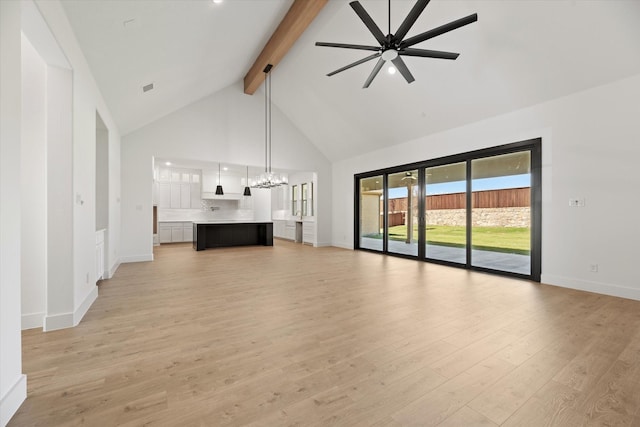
{"x": 394, "y": 46}
{"x": 389, "y": 54}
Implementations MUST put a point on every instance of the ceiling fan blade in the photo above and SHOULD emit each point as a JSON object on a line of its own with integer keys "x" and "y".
{"x": 411, "y": 19}
{"x": 439, "y": 30}
{"x": 402, "y": 67}
{"x": 346, "y": 67}
{"x": 368, "y": 21}
{"x": 374, "y": 73}
{"x": 348, "y": 46}
{"x": 425, "y": 53}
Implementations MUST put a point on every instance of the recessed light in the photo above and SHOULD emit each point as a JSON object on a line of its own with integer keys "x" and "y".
{"x": 168, "y": 163}
{"x": 217, "y": 1}
{"x": 225, "y": 168}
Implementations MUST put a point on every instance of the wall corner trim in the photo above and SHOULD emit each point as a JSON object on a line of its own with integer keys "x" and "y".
{"x": 32, "y": 320}
{"x": 11, "y": 401}
{"x": 113, "y": 268}
{"x": 58, "y": 321}
{"x": 136, "y": 258}
{"x": 82, "y": 309}
{"x": 591, "y": 286}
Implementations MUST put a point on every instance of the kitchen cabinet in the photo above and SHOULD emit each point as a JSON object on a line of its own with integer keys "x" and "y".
{"x": 309, "y": 232}
{"x": 164, "y": 195}
{"x": 178, "y": 188}
{"x": 175, "y": 231}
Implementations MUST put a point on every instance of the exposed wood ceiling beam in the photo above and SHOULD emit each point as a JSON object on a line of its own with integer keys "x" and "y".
{"x": 300, "y": 15}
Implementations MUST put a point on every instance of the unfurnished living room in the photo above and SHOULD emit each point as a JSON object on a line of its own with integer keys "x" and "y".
{"x": 314, "y": 212}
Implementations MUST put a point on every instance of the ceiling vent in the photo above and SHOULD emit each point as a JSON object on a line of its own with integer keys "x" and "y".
{"x": 147, "y": 88}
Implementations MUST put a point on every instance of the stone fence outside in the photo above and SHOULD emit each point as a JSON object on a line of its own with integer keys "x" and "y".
{"x": 482, "y": 217}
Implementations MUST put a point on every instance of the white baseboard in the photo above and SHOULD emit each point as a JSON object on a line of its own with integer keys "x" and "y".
{"x": 11, "y": 401}
{"x": 82, "y": 309}
{"x": 113, "y": 269}
{"x": 58, "y": 321}
{"x": 69, "y": 320}
{"x": 136, "y": 258}
{"x": 32, "y": 320}
{"x": 343, "y": 246}
{"x": 590, "y": 286}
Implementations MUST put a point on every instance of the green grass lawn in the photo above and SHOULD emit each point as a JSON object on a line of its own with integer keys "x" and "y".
{"x": 498, "y": 239}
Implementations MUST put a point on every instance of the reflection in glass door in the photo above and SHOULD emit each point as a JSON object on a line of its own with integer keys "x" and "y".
{"x": 402, "y": 213}
{"x": 501, "y": 212}
{"x": 446, "y": 213}
{"x": 371, "y": 217}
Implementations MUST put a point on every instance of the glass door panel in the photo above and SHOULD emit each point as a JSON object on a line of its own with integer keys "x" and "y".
{"x": 371, "y": 213}
{"x": 501, "y": 212}
{"x": 446, "y": 213}
{"x": 402, "y": 213}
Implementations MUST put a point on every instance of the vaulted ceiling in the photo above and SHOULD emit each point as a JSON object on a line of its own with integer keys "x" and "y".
{"x": 519, "y": 53}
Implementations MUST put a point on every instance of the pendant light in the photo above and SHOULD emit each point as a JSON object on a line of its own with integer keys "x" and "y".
{"x": 268, "y": 179}
{"x": 219, "y": 190}
{"x": 247, "y": 190}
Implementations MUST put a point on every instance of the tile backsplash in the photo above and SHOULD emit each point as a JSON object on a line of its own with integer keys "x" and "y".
{"x": 224, "y": 209}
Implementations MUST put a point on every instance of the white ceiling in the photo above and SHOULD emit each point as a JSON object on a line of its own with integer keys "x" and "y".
{"x": 519, "y": 53}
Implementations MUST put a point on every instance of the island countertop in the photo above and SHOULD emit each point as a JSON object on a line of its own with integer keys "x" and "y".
{"x": 231, "y": 221}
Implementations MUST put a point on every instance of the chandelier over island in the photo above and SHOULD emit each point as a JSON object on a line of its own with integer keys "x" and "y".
{"x": 268, "y": 179}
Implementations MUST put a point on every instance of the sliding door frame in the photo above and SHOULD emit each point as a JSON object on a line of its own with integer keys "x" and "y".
{"x": 532, "y": 145}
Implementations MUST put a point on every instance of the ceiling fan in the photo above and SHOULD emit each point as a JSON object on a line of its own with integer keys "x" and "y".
{"x": 394, "y": 46}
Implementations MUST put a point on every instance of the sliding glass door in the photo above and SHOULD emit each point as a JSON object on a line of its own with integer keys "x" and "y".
{"x": 479, "y": 210}
{"x": 402, "y": 213}
{"x": 446, "y": 213}
{"x": 371, "y": 219}
{"x": 501, "y": 212}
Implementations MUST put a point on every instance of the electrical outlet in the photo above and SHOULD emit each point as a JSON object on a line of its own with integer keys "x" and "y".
{"x": 593, "y": 268}
{"x": 576, "y": 203}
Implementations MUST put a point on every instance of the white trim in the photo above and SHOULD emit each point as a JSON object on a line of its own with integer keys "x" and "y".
{"x": 58, "y": 321}
{"x": 136, "y": 258}
{"x": 82, "y": 309}
{"x": 113, "y": 269}
{"x": 32, "y": 320}
{"x": 338, "y": 245}
{"x": 11, "y": 401}
{"x": 591, "y": 286}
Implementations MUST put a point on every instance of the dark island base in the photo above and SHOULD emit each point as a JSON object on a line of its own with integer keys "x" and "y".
{"x": 218, "y": 235}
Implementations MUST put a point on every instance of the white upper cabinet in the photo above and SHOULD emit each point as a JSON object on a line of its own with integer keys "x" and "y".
{"x": 178, "y": 188}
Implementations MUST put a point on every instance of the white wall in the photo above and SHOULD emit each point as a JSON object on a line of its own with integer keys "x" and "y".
{"x": 227, "y": 126}
{"x": 590, "y": 150}
{"x": 102, "y": 175}
{"x": 33, "y": 186}
{"x": 85, "y": 102}
{"x": 13, "y": 384}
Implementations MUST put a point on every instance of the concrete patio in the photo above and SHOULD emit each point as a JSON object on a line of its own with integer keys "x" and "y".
{"x": 513, "y": 263}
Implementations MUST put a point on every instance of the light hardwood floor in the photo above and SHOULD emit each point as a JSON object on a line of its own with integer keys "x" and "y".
{"x": 295, "y": 335}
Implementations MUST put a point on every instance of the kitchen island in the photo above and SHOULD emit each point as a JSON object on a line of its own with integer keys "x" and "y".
{"x": 225, "y": 233}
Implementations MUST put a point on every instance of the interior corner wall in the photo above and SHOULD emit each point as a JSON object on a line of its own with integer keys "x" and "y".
{"x": 59, "y": 241}
{"x": 590, "y": 150}
{"x": 227, "y": 126}
{"x": 86, "y": 100}
{"x": 13, "y": 384}
{"x": 33, "y": 187}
